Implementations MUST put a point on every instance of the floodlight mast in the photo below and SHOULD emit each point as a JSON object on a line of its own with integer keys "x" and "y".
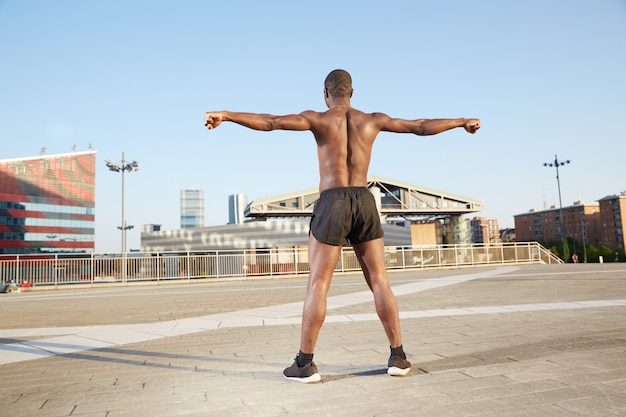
{"x": 556, "y": 164}
{"x": 125, "y": 166}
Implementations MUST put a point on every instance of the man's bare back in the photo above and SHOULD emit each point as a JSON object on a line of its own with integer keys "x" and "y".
{"x": 344, "y": 139}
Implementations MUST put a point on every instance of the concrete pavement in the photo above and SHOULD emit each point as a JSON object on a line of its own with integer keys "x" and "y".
{"x": 495, "y": 341}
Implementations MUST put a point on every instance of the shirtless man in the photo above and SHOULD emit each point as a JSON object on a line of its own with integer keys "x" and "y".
{"x": 346, "y": 210}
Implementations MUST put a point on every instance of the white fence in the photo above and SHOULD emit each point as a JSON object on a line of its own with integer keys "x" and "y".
{"x": 92, "y": 269}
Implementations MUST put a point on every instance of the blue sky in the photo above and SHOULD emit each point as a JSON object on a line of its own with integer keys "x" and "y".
{"x": 545, "y": 77}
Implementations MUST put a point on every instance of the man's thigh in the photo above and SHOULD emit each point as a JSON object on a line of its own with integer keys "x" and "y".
{"x": 371, "y": 256}
{"x": 323, "y": 259}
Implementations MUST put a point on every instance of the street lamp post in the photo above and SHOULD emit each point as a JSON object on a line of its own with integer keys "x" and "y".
{"x": 51, "y": 237}
{"x": 584, "y": 229}
{"x": 124, "y": 229}
{"x": 123, "y": 167}
{"x": 556, "y": 163}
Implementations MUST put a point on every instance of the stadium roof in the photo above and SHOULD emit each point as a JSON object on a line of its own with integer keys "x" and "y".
{"x": 396, "y": 199}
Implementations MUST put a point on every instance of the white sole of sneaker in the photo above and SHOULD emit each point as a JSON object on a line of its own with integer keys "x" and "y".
{"x": 395, "y": 371}
{"x": 309, "y": 379}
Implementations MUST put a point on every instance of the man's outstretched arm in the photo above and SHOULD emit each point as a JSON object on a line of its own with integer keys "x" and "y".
{"x": 424, "y": 127}
{"x": 258, "y": 121}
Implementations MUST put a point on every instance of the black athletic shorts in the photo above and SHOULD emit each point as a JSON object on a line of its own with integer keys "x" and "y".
{"x": 346, "y": 215}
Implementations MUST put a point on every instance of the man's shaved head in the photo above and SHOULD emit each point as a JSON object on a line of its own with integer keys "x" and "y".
{"x": 338, "y": 83}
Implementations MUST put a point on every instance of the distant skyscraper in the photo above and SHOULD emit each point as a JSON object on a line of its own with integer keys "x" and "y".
{"x": 236, "y": 205}
{"x": 191, "y": 208}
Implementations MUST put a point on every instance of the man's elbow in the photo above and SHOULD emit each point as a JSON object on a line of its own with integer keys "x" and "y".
{"x": 420, "y": 131}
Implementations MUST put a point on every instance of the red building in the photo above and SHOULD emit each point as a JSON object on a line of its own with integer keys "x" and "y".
{"x": 613, "y": 213}
{"x": 581, "y": 222}
{"x": 47, "y": 204}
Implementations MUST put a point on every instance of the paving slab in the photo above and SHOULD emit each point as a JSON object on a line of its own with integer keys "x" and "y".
{"x": 534, "y": 340}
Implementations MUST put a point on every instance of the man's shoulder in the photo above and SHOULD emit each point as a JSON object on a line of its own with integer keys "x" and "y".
{"x": 365, "y": 114}
{"x": 311, "y": 114}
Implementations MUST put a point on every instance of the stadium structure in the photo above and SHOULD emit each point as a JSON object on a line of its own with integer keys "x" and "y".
{"x": 410, "y": 215}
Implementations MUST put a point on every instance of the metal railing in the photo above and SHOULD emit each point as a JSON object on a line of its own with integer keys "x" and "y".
{"x": 64, "y": 269}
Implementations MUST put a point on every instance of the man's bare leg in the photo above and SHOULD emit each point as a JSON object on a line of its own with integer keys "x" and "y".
{"x": 371, "y": 256}
{"x": 322, "y": 261}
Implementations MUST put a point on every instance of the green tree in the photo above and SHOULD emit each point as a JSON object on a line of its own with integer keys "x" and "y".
{"x": 592, "y": 253}
{"x": 607, "y": 253}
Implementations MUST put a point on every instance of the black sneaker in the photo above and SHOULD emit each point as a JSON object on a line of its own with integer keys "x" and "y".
{"x": 306, "y": 374}
{"x": 398, "y": 366}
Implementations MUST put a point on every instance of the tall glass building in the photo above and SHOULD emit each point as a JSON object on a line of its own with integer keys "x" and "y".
{"x": 236, "y": 206}
{"x": 191, "y": 209}
{"x": 47, "y": 204}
